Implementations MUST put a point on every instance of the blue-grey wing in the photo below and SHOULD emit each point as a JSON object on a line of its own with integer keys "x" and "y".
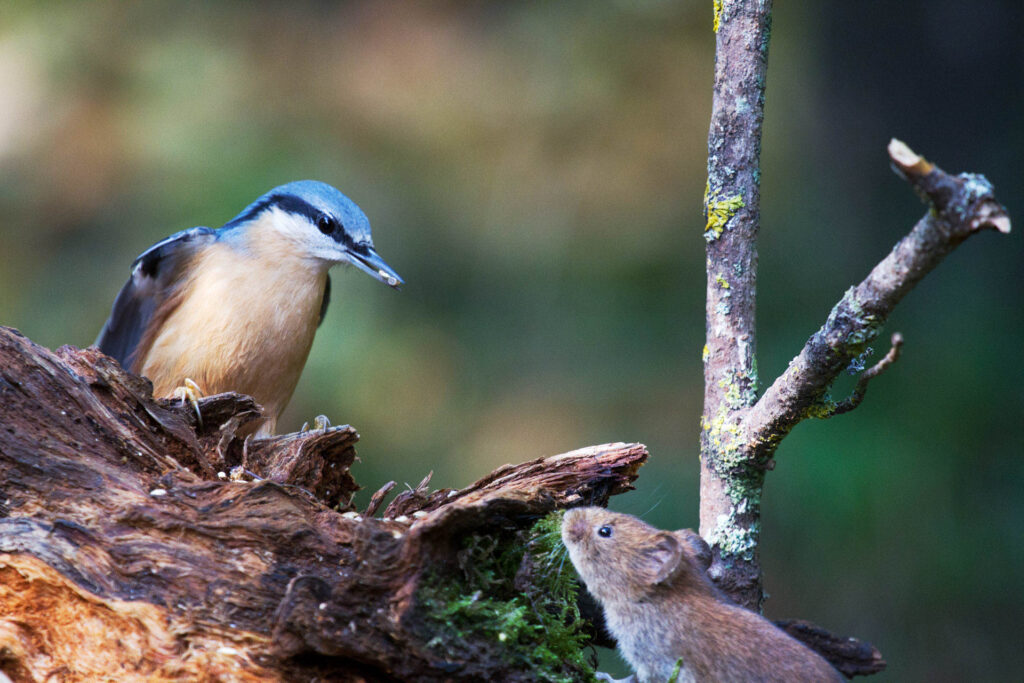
{"x": 154, "y": 275}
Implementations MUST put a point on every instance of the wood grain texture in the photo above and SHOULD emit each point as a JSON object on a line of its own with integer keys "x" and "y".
{"x": 127, "y": 549}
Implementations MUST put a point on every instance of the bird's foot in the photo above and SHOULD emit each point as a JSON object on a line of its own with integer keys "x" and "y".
{"x": 239, "y": 473}
{"x": 320, "y": 423}
{"x": 191, "y": 393}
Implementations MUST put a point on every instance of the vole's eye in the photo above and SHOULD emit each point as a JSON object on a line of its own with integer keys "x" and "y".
{"x": 604, "y": 531}
{"x": 325, "y": 224}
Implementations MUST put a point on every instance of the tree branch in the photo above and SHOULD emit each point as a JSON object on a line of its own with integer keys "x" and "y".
{"x": 959, "y": 206}
{"x": 740, "y": 433}
{"x": 730, "y": 497}
{"x": 740, "y": 439}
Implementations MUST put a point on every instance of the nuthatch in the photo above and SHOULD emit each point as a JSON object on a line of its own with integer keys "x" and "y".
{"x": 235, "y": 309}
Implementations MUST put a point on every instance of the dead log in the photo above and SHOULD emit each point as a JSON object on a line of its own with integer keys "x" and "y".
{"x": 136, "y": 543}
{"x": 142, "y": 543}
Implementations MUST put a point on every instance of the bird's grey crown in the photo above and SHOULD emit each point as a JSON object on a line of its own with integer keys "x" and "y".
{"x": 314, "y": 200}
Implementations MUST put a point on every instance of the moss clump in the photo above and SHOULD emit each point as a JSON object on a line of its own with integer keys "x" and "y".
{"x": 517, "y": 589}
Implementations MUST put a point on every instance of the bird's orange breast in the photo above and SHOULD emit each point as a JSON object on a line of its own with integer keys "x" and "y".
{"x": 241, "y": 320}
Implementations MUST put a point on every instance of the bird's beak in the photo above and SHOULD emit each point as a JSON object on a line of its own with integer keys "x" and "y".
{"x": 372, "y": 264}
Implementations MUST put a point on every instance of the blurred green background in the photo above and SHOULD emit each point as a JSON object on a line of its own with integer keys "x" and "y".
{"x": 535, "y": 172}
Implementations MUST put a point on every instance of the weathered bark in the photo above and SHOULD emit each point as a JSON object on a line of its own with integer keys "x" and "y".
{"x": 730, "y": 498}
{"x": 850, "y": 656}
{"x": 134, "y": 546}
{"x": 741, "y": 432}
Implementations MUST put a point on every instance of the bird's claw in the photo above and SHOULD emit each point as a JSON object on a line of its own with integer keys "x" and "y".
{"x": 239, "y": 473}
{"x": 320, "y": 423}
{"x": 191, "y": 393}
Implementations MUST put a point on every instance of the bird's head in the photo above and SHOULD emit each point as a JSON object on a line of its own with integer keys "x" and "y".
{"x": 319, "y": 223}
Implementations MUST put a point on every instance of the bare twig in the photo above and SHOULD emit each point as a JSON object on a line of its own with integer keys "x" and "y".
{"x": 851, "y": 656}
{"x": 857, "y": 395}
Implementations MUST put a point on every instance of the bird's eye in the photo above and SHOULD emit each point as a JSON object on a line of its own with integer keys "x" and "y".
{"x": 604, "y": 531}
{"x": 325, "y": 224}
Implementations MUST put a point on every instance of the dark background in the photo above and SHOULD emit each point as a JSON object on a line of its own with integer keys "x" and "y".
{"x": 535, "y": 172}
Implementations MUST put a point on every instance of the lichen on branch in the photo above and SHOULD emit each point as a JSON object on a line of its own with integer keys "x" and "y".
{"x": 740, "y": 431}
{"x": 730, "y": 492}
{"x": 958, "y": 207}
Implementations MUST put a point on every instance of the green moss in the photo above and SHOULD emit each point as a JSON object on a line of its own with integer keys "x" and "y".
{"x": 518, "y": 590}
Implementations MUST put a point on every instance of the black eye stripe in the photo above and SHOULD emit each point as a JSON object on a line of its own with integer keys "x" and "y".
{"x": 293, "y": 204}
{"x": 360, "y": 249}
{"x": 325, "y": 223}
{"x": 285, "y": 202}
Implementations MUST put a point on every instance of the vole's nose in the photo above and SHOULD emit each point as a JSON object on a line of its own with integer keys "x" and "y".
{"x": 574, "y": 527}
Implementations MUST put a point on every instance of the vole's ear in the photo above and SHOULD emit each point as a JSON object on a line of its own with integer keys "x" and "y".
{"x": 695, "y": 547}
{"x": 661, "y": 557}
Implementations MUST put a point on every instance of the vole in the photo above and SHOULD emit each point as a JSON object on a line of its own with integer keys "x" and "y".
{"x": 664, "y": 611}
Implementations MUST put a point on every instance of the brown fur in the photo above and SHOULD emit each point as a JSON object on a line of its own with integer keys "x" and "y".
{"x": 661, "y": 608}
{"x": 242, "y": 320}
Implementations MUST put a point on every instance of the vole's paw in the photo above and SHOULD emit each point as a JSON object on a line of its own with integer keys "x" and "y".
{"x": 605, "y": 678}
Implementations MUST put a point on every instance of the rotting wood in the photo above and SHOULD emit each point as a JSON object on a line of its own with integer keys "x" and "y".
{"x": 135, "y": 540}
{"x": 127, "y": 546}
